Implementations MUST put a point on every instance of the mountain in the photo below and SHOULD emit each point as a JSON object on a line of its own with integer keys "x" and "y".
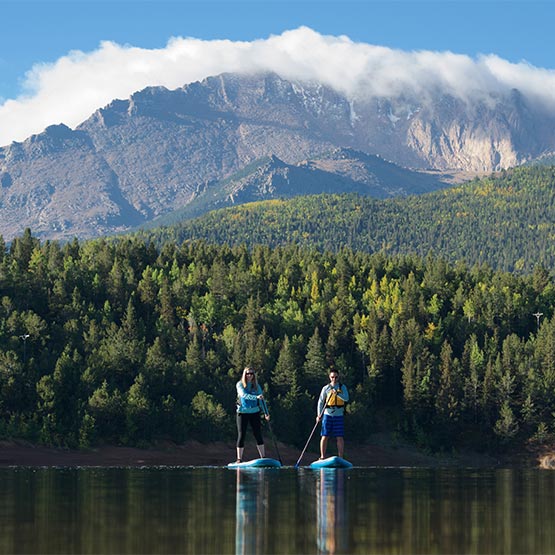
{"x": 138, "y": 159}
{"x": 339, "y": 171}
{"x": 507, "y": 222}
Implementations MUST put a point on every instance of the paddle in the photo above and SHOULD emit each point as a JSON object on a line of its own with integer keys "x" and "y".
{"x": 311, "y": 434}
{"x": 267, "y": 413}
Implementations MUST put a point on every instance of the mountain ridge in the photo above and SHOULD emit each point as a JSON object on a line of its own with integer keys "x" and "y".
{"x": 138, "y": 159}
{"x": 338, "y": 171}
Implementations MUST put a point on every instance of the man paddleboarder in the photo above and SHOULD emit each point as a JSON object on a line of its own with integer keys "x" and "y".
{"x": 330, "y": 411}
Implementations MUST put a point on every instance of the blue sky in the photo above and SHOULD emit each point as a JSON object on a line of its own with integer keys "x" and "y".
{"x": 42, "y": 31}
{"x": 34, "y": 33}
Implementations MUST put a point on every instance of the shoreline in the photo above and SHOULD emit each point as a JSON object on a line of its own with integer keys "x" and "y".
{"x": 193, "y": 453}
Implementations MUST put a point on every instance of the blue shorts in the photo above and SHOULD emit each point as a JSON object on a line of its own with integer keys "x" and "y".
{"x": 332, "y": 426}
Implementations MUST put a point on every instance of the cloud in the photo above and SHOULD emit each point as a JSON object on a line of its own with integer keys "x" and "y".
{"x": 71, "y": 89}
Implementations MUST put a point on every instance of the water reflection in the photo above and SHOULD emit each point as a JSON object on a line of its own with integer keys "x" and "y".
{"x": 251, "y": 511}
{"x": 332, "y": 516}
{"x": 116, "y": 511}
{"x": 213, "y": 511}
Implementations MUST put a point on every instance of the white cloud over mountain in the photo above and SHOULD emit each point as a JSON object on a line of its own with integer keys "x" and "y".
{"x": 71, "y": 89}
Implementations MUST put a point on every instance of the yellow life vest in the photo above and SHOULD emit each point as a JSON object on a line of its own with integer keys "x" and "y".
{"x": 334, "y": 400}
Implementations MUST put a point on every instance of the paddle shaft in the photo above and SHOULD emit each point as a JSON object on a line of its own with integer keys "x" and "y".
{"x": 267, "y": 413}
{"x": 311, "y": 434}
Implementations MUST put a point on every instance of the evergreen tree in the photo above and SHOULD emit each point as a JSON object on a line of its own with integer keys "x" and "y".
{"x": 447, "y": 400}
{"x": 106, "y": 410}
{"x": 22, "y": 248}
{"x": 409, "y": 378}
{"x": 138, "y": 412}
{"x": 194, "y": 366}
{"x": 315, "y": 367}
{"x": 287, "y": 371}
{"x": 506, "y": 426}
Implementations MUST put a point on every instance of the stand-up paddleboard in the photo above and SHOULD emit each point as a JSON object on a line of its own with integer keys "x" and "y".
{"x": 256, "y": 463}
{"x": 331, "y": 462}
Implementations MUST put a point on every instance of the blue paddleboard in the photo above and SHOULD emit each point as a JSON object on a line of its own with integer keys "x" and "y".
{"x": 331, "y": 462}
{"x": 256, "y": 463}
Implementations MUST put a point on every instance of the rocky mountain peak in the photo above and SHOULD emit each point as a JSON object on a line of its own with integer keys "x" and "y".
{"x": 140, "y": 158}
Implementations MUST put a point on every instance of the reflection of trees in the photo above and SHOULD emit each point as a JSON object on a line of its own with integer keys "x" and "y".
{"x": 332, "y": 519}
{"x": 251, "y": 511}
{"x": 116, "y": 510}
{"x": 207, "y": 510}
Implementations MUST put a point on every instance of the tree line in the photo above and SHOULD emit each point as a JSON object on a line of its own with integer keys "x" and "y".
{"x": 125, "y": 342}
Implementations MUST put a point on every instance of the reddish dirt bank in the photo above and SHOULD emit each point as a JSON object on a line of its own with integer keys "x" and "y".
{"x": 192, "y": 453}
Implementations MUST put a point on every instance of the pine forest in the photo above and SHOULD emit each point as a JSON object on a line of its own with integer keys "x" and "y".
{"x": 506, "y": 221}
{"x": 126, "y": 341}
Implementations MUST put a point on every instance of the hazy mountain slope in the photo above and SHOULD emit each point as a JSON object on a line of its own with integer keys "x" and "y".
{"x": 507, "y": 222}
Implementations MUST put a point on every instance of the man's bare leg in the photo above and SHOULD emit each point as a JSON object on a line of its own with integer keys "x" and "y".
{"x": 340, "y": 446}
{"x": 323, "y": 446}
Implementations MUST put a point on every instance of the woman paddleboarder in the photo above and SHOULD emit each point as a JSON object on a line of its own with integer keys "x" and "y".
{"x": 249, "y": 393}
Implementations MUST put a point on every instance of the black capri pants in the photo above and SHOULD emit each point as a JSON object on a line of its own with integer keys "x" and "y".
{"x": 243, "y": 419}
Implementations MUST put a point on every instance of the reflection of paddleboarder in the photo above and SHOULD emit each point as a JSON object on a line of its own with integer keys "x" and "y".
{"x": 251, "y": 512}
{"x": 332, "y": 522}
{"x": 333, "y": 396}
{"x": 249, "y": 393}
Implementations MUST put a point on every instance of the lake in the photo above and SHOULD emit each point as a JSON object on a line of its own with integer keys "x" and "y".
{"x": 220, "y": 511}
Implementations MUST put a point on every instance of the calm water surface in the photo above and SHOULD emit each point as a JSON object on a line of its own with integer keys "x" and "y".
{"x": 216, "y": 510}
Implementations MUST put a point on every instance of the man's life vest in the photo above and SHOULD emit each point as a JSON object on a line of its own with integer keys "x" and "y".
{"x": 334, "y": 400}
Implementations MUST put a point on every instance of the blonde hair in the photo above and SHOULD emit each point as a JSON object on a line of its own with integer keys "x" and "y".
{"x": 244, "y": 376}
